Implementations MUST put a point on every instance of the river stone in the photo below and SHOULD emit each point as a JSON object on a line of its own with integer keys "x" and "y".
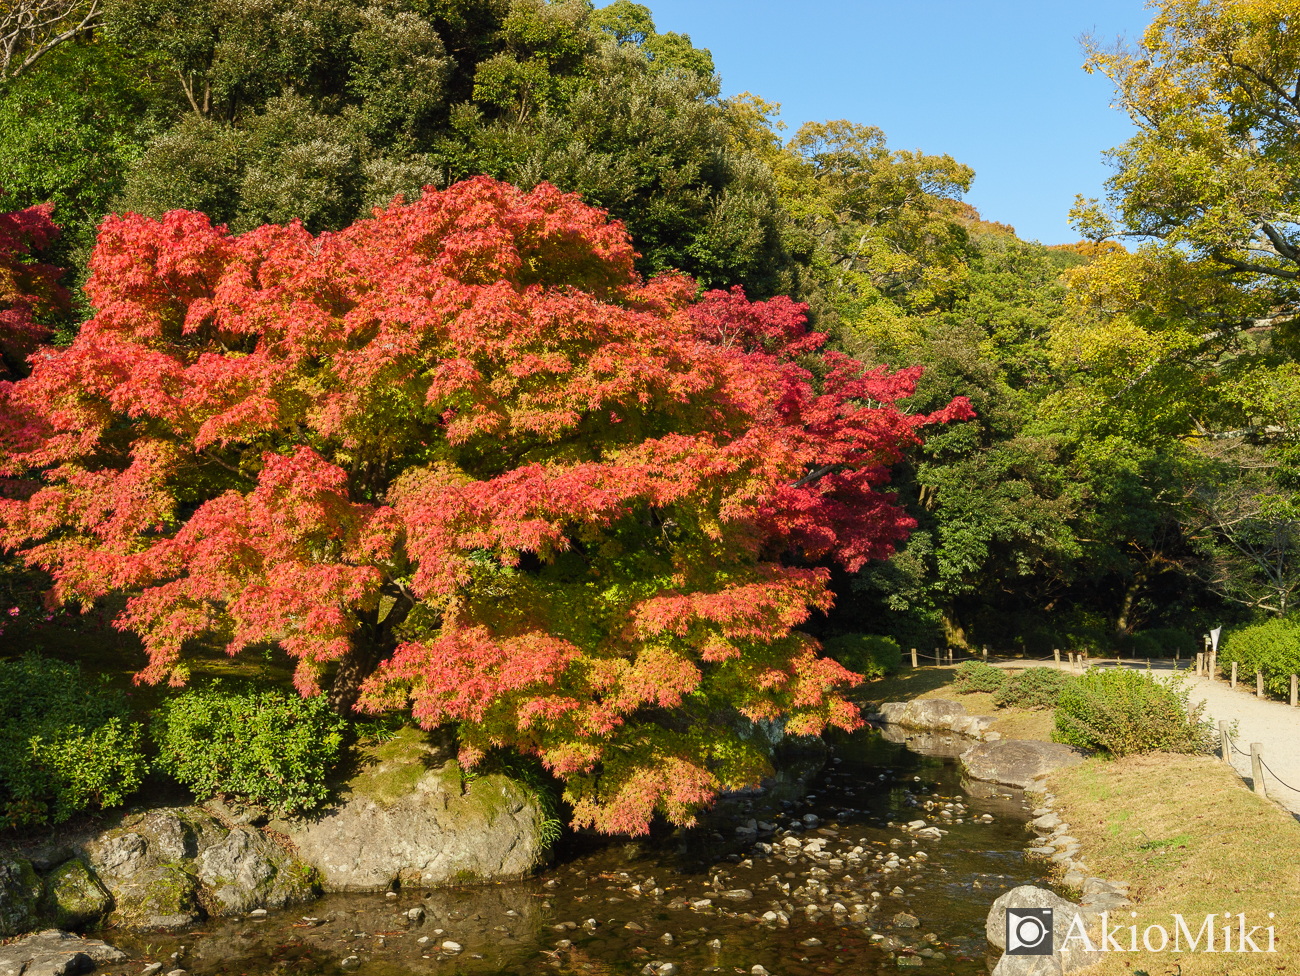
{"x": 410, "y": 817}
{"x": 934, "y": 714}
{"x": 1064, "y": 959}
{"x": 247, "y": 871}
{"x": 146, "y": 865}
{"x": 20, "y": 892}
{"x": 1018, "y": 762}
{"x": 73, "y": 895}
{"x": 55, "y": 953}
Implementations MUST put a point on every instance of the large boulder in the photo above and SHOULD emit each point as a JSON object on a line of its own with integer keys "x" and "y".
{"x": 147, "y": 865}
{"x": 56, "y": 953}
{"x": 934, "y": 715}
{"x": 20, "y": 893}
{"x": 1018, "y": 762}
{"x": 247, "y": 871}
{"x": 74, "y": 896}
{"x": 409, "y": 816}
{"x": 1064, "y": 958}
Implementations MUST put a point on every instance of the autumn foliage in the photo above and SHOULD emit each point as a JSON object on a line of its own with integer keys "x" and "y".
{"x": 581, "y": 514}
{"x": 27, "y": 286}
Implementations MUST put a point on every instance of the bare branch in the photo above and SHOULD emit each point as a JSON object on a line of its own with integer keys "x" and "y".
{"x": 30, "y": 29}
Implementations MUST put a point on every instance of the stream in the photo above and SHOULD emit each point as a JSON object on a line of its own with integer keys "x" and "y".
{"x": 838, "y": 886}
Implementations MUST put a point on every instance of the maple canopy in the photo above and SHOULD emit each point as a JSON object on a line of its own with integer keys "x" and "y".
{"x": 463, "y": 450}
{"x": 27, "y": 286}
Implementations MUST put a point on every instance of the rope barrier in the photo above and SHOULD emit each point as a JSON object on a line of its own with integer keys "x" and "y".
{"x": 1280, "y": 780}
{"x": 1277, "y": 777}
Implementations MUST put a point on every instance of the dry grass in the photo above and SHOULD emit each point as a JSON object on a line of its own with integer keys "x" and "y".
{"x": 936, "y": 682}
{"x": 1192, "y": 840}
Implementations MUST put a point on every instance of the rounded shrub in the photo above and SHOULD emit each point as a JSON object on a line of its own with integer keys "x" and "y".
{"x": 66, "y": 743}
{"x": 1272, "y": 647}
{"x": 1032, "y": 688}
{"x": 870, "y": 655}
{"x": 973, "y": 676}
{"x": 1174, "y": 641}
{"x": 273, "y": 747}
{"x": 1123, "y": 712}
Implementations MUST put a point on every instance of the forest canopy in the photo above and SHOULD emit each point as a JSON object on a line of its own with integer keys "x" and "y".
{"x": 691, "y": 392}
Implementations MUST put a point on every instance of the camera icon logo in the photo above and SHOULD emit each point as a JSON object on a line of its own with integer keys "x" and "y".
{"x": 1029, "y": 931}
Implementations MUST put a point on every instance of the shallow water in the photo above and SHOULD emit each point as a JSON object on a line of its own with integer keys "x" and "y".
{"x": 616, "y": 907}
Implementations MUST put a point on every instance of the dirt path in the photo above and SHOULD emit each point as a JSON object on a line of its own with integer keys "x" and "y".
{"x": 1273, "y": 724}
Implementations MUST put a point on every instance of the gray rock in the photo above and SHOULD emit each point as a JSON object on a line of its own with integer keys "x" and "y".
{"x": 74, "y": 896}
{"x": 247, "y": 871}
{"x": 20, "y": 892}
{"x": 934, "y": 714}
{"x": 410, "y": 817}
{"x": 55, "y": 953}
{"x": 143, "y": 863}
{"x": 1047, "y": 821}
{"x": 1018, "y": 762}
{"x": 906, "y": 921}
{"x": 1064, "y": 959}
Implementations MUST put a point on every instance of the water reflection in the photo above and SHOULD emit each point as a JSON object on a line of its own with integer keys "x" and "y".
{"x": 831, "y": 883}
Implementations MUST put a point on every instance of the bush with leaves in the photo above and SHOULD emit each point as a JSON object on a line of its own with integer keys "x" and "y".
{"x": 1032, "y": 688}
{"x": 273, "y": 747}
{"x": 1272, "y": 647}
{"x": 65, "y": 744}
{"x": 1173, "y": 641}
{"x": 870, "y": 655}
{"x": 1123, "y": 712}
{"x": 975, "y": 676}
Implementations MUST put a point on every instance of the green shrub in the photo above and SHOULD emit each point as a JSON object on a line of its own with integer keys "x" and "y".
{"x": 1172, "y": 640}
{"x": 273, "y": 747}
{"x": 1032, "y": 688}
{"x": 65, "y": 744}
{"x": 1139, "y": 645}
{"x": 975, "y": 676}
{"x": 870, "y": 655}
{"x": 1272, "y": 647}
{"x": 1122, "y": 711}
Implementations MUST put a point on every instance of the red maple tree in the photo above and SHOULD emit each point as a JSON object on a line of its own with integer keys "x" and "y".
{"x": 463, "y": 454}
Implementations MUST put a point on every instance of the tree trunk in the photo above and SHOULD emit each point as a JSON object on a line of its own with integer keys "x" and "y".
{"x": 1126, "y": 605}
{"x": 372, "y": 642}
{"x": 953, "y": 631}
{"x": 354, "y": 668}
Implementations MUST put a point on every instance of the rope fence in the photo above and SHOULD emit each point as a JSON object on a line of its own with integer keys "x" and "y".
{"x": 1227, "y": 747}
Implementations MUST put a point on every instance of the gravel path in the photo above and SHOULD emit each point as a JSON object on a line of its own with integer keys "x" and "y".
{"x": 1273, "y": 724}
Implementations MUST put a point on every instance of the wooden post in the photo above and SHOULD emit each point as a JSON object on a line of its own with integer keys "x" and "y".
{"x": 949, "y": 655}
{"x": 1295, "y": 698}
{"x": 986, "y": 654}
{"x": 1056, "y": 653}
{"x": 1225, "y": 747}
{"x": 1199, "y": 655}
{"x": 1259, "y": 684}
{"x": 914, "y": 657}
{"x": 1233, "y": 682}
{"x": 1214, "y": 665}
{"x": 1257, "y": 767}
{"x": 938, "y": 659}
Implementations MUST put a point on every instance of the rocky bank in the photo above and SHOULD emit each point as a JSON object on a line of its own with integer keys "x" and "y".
{"x": 406, "y": 816}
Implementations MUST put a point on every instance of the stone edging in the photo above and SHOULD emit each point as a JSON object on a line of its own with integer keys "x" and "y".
{"x": 1054, "y": 842}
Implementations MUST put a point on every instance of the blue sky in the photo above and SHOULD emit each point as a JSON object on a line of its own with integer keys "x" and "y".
{"x": 997, "y": 85}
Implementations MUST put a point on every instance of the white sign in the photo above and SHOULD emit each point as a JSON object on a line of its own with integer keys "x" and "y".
{"x": 1214, "y": 639}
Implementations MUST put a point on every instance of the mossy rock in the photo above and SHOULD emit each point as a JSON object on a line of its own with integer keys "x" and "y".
{"x": 74, "y": 896}
{"x": 409, "y": 815}
{"x": 20, "y": 894}
{"x": 396, "y": 768}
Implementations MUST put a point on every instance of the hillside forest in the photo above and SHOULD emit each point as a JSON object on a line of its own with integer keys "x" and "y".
{"x": 444, "y": 344}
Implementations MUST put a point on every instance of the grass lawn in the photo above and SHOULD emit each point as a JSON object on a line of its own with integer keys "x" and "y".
{"x": 1192, "y": 840}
